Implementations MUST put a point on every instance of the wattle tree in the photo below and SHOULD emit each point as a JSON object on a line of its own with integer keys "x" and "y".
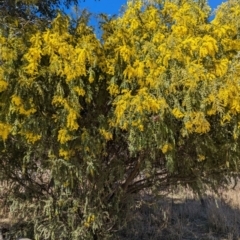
{"x": 86, "y": 123}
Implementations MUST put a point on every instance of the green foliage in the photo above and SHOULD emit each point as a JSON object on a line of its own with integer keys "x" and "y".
{"x": 28, "y": 9}
{"x": 85, "y": 124}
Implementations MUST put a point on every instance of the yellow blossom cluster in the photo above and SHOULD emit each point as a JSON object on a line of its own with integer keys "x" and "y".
{"x": 18, "y": 106}
{"x": 166, "y": 148}
{"x": 63, "y": 136}
{"x": 168, "y": 61}
{"x": 106, "y": 134}
{"x": 30, "y": 137}
{"x": 5, "y": 130}
{"x": 3, "y": 85}
{"x": 197, "y": 123}
{"x": 66, "y": 154}
{"x": 183, "y": 55}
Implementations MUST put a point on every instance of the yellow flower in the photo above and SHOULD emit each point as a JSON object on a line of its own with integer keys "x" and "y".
{"x": 65, "y": 154}
{"x": 72, "y": 120}
{"x": 177, "y": 113}
{"x": 5, "y": 129}
{"x": 197, "y": 123}
{"x": 31, "y": 137}
{"x": 226, "y": 118}
{"x": 140, "y": 127}
{"x": 129, "y": 72}
{"x": 91, "y": 77}
{"x": 107, "y": 135}
{"x": 87, "y": 225}
{"x": 125, "y": 52}
{"x": 209, "y": 46}
{"x": 63, "y": 136}
{"x": 3, "y": 85}
{"x": 139, "y": 66}
{"x": 201, "y": 157}
{"x": 82, "y": 55}
{"x": 79, "y": 91}
{"x": 189, "y": 126}
{"x": 28, "y": 112}
{"x": 113, "y": 89}
{"x": 58, "y": 100}
{"x": 221, "y": 67}
{"x": 166, "y": 148}
{"x": 16, "y": 100}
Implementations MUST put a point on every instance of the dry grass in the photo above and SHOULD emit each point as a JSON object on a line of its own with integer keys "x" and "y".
{"x": 179, "y": 215}
{"x": 182, "y": 216}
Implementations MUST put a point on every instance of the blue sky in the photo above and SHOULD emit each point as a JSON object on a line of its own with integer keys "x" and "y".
{"x": 111, "y": 7}
{"x": 114, "y": 6}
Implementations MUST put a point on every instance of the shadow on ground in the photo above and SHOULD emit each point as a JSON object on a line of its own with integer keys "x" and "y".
{"x": 173, "y": 218}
